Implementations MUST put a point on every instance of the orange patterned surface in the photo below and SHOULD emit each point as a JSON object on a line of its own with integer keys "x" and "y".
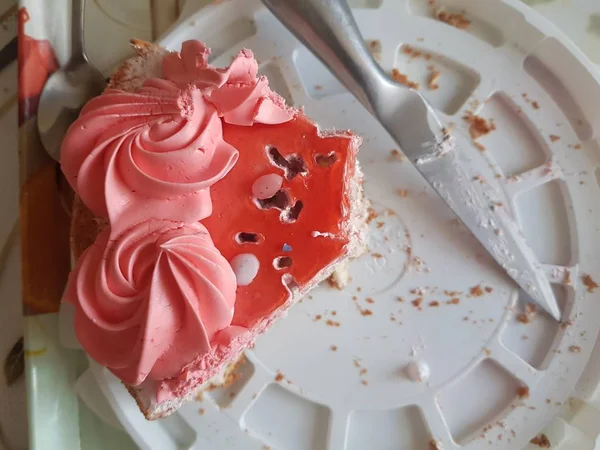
{"x": 44, "y": 222}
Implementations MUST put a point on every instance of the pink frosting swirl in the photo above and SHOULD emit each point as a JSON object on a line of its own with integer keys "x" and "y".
{"x": 153, "y": 153}
{"x": 239, "y": 94}
{"x": 152, "y": 300}
{"x": 132, "y": 156}
{"x": 153, "y": 292}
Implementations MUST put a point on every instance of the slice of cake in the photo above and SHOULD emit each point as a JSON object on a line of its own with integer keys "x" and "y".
{"x": 205, "y": 208}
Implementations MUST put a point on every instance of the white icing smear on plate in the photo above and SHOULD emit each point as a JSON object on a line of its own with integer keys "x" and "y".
{"x": 418, "y": 371}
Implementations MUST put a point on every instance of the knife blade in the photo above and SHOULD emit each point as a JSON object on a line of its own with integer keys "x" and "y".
{"x": 438, "y": 159}
{"x": 328, "y": 29}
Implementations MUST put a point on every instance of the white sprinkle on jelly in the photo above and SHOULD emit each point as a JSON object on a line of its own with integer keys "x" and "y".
{"x": 245, "y": 266}
{"x": 418, "y": 371}
{"x": 267, "y": 186}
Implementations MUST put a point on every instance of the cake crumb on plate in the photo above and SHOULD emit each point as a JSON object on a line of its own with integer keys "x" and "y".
{"x": 541, "y": 440}
{"x": 523, "y": 392}
{"x": 476, "y": 291}
{"x": 457, "y": 20}
{"x": 589, "y": 283}
{"x": 434, "y": 76}
{"x": 414, "y": 53}
{"x": 401, "y": 78}
{"x": 478, "y": 126}
{"x": 528, "y": 315}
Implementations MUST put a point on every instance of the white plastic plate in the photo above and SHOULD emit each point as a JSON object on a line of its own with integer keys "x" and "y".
{"x": 342, "y": 370}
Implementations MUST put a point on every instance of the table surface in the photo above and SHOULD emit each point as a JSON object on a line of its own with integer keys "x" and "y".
{"x": 579, "y": 19}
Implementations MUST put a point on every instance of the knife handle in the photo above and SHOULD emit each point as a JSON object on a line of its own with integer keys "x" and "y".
{"x": 327, "y": 27}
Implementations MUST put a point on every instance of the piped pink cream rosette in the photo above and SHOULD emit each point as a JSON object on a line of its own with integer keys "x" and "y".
{"x": 148, "y": 303}
{"x": 240, "y": 96}
{"x": 154, "y": 153}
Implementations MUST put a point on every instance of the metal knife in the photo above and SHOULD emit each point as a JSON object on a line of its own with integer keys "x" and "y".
{"x": 328, "y": 29}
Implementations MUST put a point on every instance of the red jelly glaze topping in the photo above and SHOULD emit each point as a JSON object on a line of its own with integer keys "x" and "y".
{"x": 322, "y": 191}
